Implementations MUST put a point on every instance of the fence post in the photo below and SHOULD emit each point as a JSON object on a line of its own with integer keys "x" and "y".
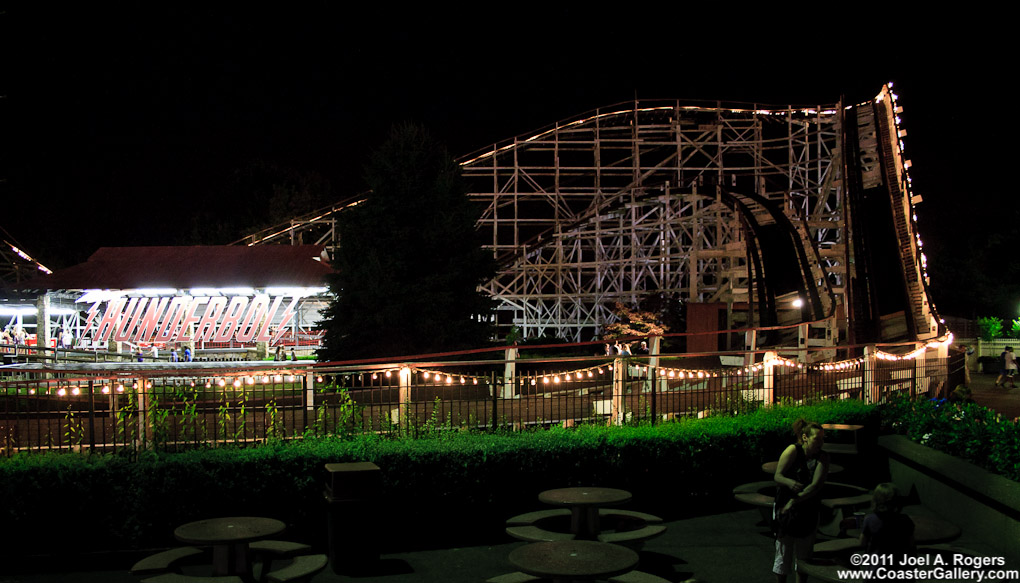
{"x": 770, "y": 378}
{"x": 618, "y": 372}
{"x": 750, "y": 345}
{"x": 92, "y": 416}
{"x": 308, "y": 396}
{"x": 869, "y": 390}
{"x": 653, "y": 365}
{"x": 404, "y": 395}
{"x": 144, "y": 423}
{"x": 494, "y": 401}
{"x": 509, "y": 373}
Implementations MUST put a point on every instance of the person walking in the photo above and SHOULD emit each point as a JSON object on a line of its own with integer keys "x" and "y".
{"x": 1008, "y": 370}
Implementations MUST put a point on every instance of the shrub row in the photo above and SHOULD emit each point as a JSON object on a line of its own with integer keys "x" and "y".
{"x": 969, "y": 431}
{"x": 434, "y": 489}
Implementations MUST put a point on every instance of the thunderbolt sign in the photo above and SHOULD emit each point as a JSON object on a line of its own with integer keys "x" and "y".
{"x": 169, "y": 319}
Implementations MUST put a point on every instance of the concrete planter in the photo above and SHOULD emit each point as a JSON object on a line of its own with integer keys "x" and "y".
{"x": 984, "y": 505}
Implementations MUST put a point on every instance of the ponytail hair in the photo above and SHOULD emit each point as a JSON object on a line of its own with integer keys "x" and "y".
{"x": 804, "y": 427}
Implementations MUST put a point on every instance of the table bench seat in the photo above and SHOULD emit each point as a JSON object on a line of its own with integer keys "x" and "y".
{"x": 628, "y": 515}
{"x": 530, "y": 518}
{"x": 751, "y": 493}
{"x": 164, "y": 561}
{"x": 515, "y": 577}
{"x": 535, "y": 534}
{"x": 179, "y": 578}
{"x": 637, "y": 577}
{"x": 630, "y": 537}
{"x": 302, "y": 568}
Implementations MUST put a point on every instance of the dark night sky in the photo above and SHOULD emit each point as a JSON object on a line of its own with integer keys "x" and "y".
{"x": 123, "y": 119}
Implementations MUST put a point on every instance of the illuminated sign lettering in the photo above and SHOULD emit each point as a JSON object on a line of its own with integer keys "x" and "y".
{"x": 187, "y": 318}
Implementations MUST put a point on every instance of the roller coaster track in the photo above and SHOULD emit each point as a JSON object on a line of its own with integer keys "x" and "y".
{"x": 738, "y": 204}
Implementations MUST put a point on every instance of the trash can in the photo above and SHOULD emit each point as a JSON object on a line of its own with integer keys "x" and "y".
{"x": 351, "y": 494}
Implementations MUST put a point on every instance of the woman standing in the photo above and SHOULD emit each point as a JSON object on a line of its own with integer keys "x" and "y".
{"x": 800, "y": 476}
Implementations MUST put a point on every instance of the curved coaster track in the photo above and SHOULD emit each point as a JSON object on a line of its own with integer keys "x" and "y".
{"x": 746, "y": 207}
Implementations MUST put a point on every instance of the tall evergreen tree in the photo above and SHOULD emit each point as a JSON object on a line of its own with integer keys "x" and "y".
{"x": 409, "y": 260}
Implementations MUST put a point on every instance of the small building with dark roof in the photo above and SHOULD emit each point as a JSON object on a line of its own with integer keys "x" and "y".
{"x": 206, "y": 297}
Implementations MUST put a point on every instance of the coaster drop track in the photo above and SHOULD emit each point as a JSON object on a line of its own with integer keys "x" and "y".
{"x": 737, "y": 204}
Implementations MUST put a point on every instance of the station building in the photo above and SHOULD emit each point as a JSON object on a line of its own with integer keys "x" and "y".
{"x": 240, "y": 300}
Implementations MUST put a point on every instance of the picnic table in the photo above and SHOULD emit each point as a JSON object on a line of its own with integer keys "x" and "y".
{"x": 229, "y": 538}
{"x": 573, "y": 560}
{"x": 584, "y": 504}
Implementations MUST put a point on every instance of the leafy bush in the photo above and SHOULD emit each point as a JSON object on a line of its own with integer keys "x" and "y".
{"x": 990, "y": 327}
{"x": 970, "y": 432}
{"x": 452, "y": 485}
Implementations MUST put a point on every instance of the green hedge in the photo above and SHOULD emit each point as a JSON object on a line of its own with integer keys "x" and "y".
{"x": 970, "y": 432}
{"x": 439, "y": 489}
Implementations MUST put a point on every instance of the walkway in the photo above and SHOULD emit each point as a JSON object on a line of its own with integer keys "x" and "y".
{"x": 720, "y": 548}
{"x": 1004, "y": 400}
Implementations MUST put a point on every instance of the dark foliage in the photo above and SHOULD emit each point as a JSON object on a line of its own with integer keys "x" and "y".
{"x": 410, "y": 260}
{"x": 453, "y": 488}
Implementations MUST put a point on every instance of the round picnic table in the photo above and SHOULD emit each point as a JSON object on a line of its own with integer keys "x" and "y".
{"x": 573, "y": 560}
{"x": 584, "y": 503}
{"x": 229, "y": 538}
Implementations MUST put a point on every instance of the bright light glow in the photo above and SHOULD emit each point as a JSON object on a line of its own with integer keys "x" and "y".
{"x": 76, "y": 391}
{"x": 798, "y": 303}
{"x": 296, "y": 292}
{"x": 153, "y": 291}
{"x": 62, "y": 392}
{"x": 17, "y": 311}
{"x": 106, "y": 389}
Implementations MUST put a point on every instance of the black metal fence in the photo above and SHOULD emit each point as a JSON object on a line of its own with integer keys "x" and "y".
{"x": 173, "y": 409}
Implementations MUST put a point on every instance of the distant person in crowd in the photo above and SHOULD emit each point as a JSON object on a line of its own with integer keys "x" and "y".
{"x": 173, "y": 354}
{"x": 609, "y": 349}
{"x": 885, "y": 530}
{"x": 293, "y": 355}
{"x": 643, "y": 349}
{"x": 6, "y": 339}
{"x": 279, "y": 354}
{"x": 155, "y": 352}
{"x": 618, "y": 348}
{"x": 800, "y": 475}
{"x": 625, "y": 349}
{"x": 1008, "y": 370}
{"x": 141, "y": 355}
{"x": 20, "y": 339}
{"x": 187, "y": 354}
{"x": 66, "y": 338}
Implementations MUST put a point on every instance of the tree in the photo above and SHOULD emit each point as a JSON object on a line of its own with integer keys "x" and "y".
{"x": 256, "y": 196}
{"x": 409, "y": 262}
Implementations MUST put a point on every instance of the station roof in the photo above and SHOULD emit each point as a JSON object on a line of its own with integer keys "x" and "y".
{"x": 188, "y": 267}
